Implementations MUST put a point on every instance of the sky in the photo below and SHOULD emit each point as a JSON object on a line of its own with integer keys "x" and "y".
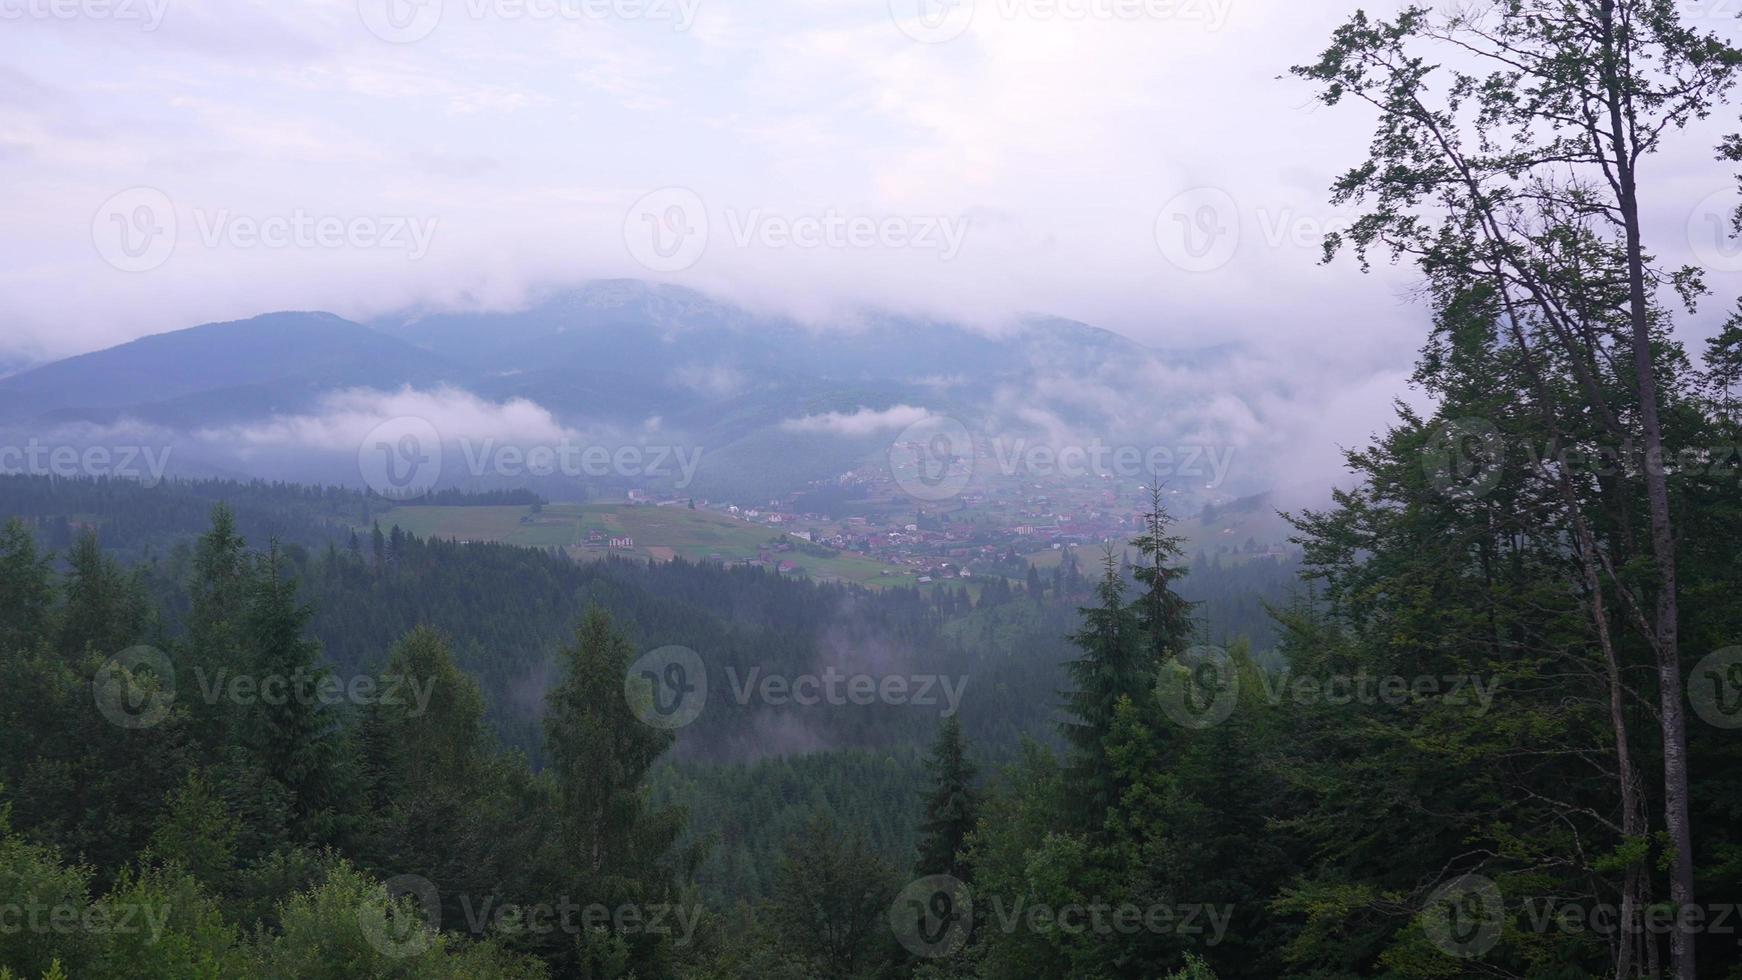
{"x": 172, "y": 162}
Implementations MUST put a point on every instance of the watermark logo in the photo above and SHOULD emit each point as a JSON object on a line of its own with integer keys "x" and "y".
{"x": 390, "y": 930}
{"x": 35, "y": 917}
{"x": 316, "y": 688}
{"x": 1100, "y": 917}
{"x": 148, "y": 14}
{"x": 408, "y": 21}
{"x": 838, "y": 688}
{"x": 396, "y": 934}
{"x": 138, "y": 229}
{"x": 667, "y": 229}
{"x": 933, "y": 916}
{"x": 575, "y": 460}
{"x": 1019, "y": 457}
{"x": 1466, "y": 917}
{"x": 836, "y": 229}
{"x": 135, "y": 230}
{"x": 1715, "y": 688}
{"x": 147, "y": 464}
{"x": 1464, "y": 458}
{"x": 937, "y": 21}
{"x": 667, "y": 688}
{"x": 1199, "y": 230}
{"x": 932, "y": 21}
{"x": 1712, "y": 232}
{"x": 1199, "y": 688}
{"x": 1462, "y": 917}
{"x": 932, "y": 459}
{"x": 400, "y": 21}
{"x": 135, "y": 689}
{"x": 303, "y": 229}
{"x": 490, "y": 916}
{"x": 1728, "y": 10}
{"x": 1471, "y": 691}
{"x": 401, "y": 458}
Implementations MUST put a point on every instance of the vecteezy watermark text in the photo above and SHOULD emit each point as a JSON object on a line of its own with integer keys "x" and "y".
{"x": 932, "y": 916}
{"x": 34, "y": 917}
{"x": 139, "y": 229}
{"x": 148, "y": 14}
{"x": 301, "y": 228}
{"x": 573, "y": 459}
{"x": 403, "y": 458}
{"x": 315, "y": 687}
{"x": 1201, "y": 687}
{"x": 137, "y": 688}
{"x": 668, "y": 688}
{"x": 1104, "y": 918}
{"x": 836, "y": 688}
{"x": 937, "y": 21}
{"x": 492, "y": 915}
{"x": 834, "y": 229}
{"x": 669, "y": 229}
{"x": 36, "y": 458}
{"x": 408, "y": 21}
{"x": 1018, "y": 456}
{"x": 1468, "y": 915}
{"x": 1468, "y": 458}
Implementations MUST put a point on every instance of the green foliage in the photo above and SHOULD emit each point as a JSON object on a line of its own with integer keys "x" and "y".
{"x": 350, "y": 928}
{"x": 831, "y": 904}
{"x": 745, "y": 814}
{"x": 197, "y": 834}
{"x": 951, "y": 806}
{"x": 1112, "y": 670}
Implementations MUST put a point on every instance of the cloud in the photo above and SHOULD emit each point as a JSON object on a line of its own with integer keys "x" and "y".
{"x": 1059, "y": 142}
{"x": 716, "y": 380}
{"x": 859, "y": 422}
{"x": 345, "y": 418}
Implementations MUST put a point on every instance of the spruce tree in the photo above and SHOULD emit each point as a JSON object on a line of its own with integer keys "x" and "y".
{"x": 951, "y": 807}
{"x": 1162, "y": 615}
{"x": 598, "y": 750}
{"x": 832, "y": 900}
{"x": 26, "y": 589}
{"x": 220, "y": 570}
{"x": 105, "y": 607}
{"x": 1109, "y": 671}
{"x": 613, "y": 845}
{"x": 217, "y": 598}
{"x": 289, "y": 732}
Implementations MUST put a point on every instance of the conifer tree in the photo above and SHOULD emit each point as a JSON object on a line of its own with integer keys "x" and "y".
{"x": 287, "y": 727}
{"x": 26, "y": 589}
{"x": 831, "y": 902}
{"x": 1163, "y": 616}
{"x": 599, "y": 751}
{"x": 220, "y": 574}
{"x": 1109, "y": 671}
{"x": 951, "y": 806}
{"x": 105, "y": 608}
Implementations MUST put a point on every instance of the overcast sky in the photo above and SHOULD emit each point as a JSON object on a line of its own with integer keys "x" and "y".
{"x": 170, "y": 162}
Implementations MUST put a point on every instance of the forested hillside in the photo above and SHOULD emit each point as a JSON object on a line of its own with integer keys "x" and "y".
{"x": 1478, "y": 718}
{"x": 505, "y": 612}
{"x": 498, "y": 624}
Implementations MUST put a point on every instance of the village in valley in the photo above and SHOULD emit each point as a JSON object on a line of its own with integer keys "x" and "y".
{"x": 862, "y": 527}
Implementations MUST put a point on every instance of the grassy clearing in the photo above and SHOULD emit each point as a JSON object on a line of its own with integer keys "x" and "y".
{"x": 660, "y": 533}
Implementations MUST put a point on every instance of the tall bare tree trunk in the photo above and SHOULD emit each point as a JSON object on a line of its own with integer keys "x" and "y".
{"x": 1667, "y": 641}
{"x": 1669, "y": 668}
{"x": 1634, "y": 825}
